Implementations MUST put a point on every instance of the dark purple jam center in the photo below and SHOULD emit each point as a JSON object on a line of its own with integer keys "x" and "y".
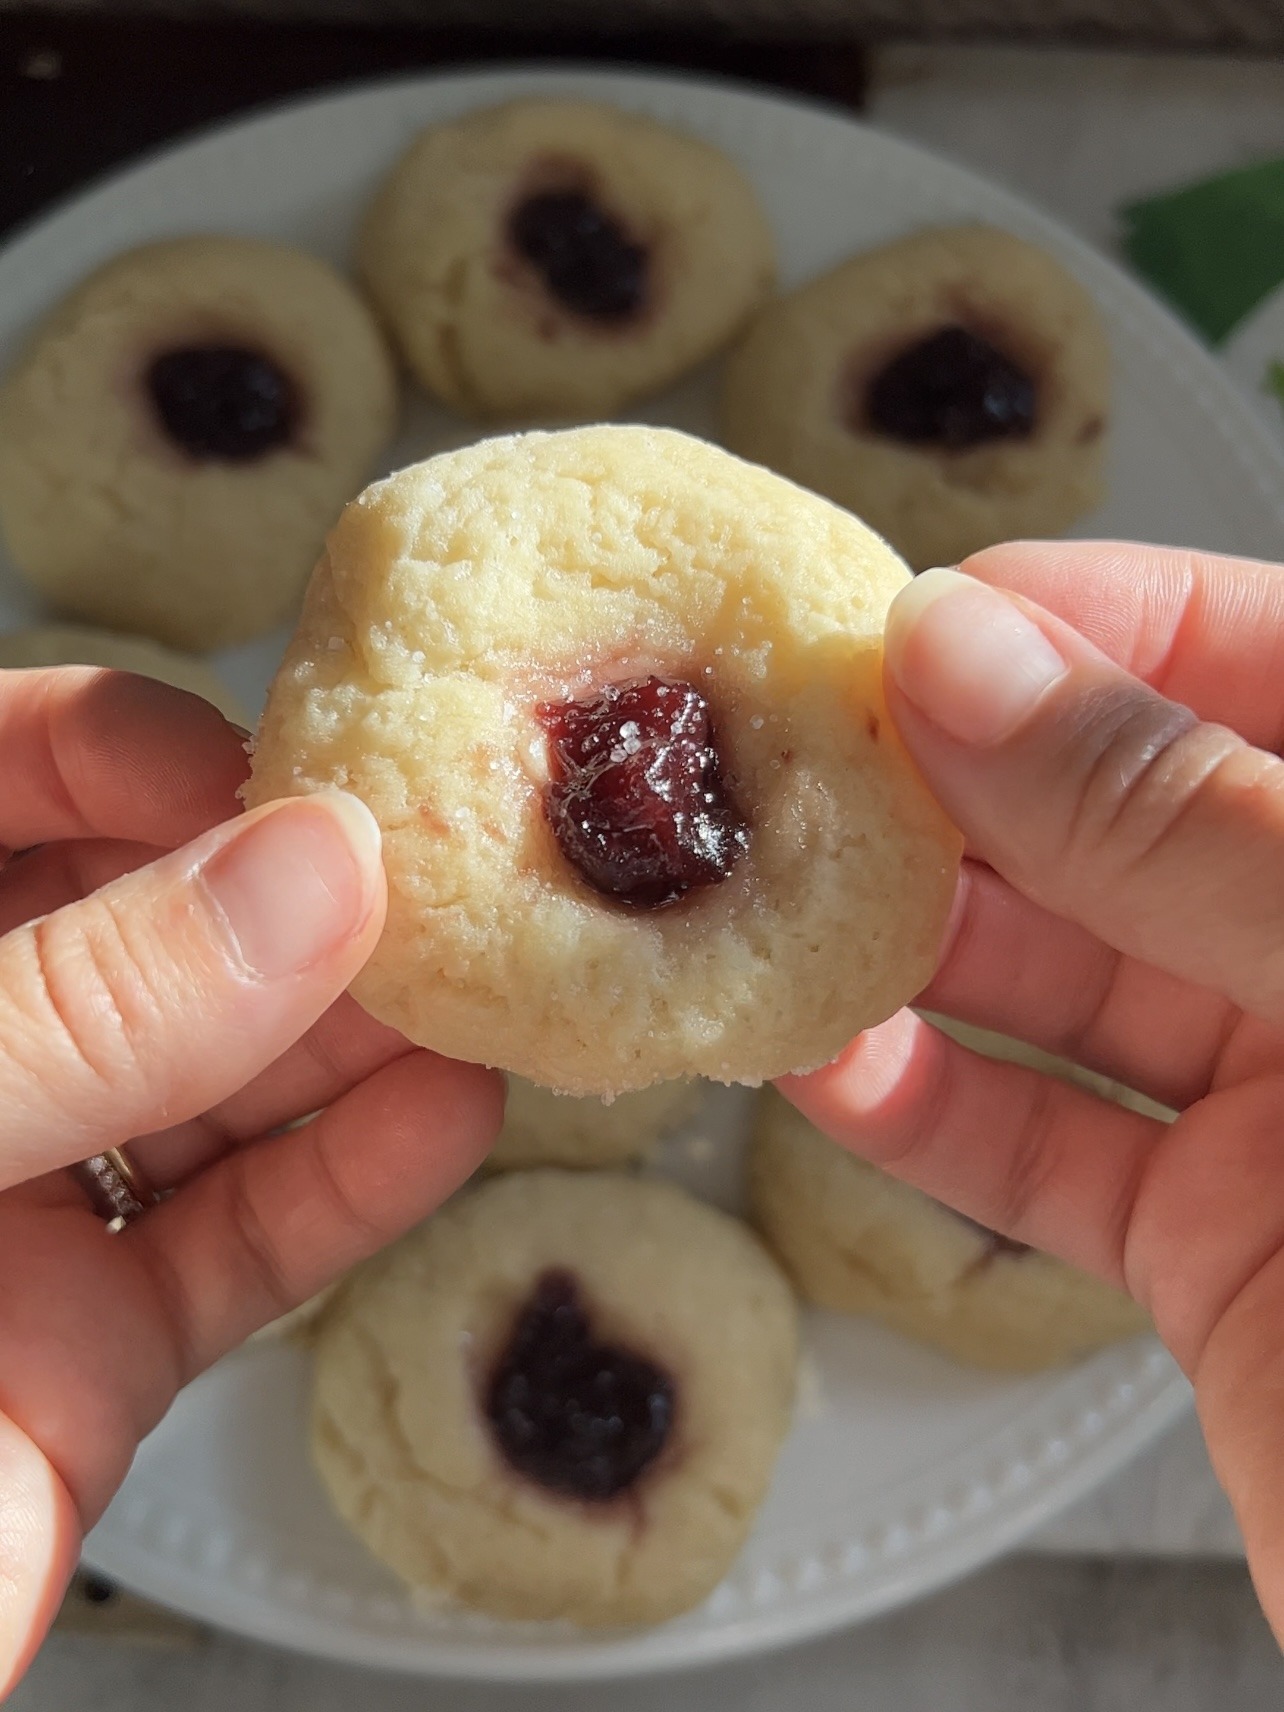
{"x": 637, "y": 800}
{"x": 222, "y": 402}
{"x": 586, "y": 259}
{"x": 952, "y": 389}
{"x": 574, "y": 1415}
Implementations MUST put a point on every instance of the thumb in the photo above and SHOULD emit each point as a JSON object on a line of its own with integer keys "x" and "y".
{"x": 39, "y": 1539}
{"x": 162, "y": 993}
{"x": 1090, "y": 793}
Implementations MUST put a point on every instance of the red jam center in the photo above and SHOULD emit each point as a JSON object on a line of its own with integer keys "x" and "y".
{"x": 223, "y": 403}
{"x": 574, "y": 1415}
{"x": 952, "y": 389}
{"x": 586, "y": 259}
{"x": 636, "y": 799}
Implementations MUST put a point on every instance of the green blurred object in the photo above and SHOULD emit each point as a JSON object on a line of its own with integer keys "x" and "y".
{"x": 1214, "y": 249}
{"x": 1273, "y": 382}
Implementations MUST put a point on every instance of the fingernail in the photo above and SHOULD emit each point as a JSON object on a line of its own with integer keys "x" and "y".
{"x": 296, "y": 882}
{"x": 967, "y": 657}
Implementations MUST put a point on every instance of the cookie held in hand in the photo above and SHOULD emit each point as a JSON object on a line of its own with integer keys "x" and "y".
{"x": 616, "y": 701}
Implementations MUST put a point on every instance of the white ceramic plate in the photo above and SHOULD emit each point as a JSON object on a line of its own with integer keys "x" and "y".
{"x": 903, "y": 1470}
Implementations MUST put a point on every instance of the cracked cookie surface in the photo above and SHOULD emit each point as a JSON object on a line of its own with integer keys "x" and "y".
{"x": 463, "y": 596}
{"x": 549, "y": 259}
{"x": 560, "y": 1398}
{"x": 952, "y": 388}
{"x": 179, "y": 433}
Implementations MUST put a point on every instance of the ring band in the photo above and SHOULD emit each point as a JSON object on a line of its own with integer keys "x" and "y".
{"x": 117, "y": 1189}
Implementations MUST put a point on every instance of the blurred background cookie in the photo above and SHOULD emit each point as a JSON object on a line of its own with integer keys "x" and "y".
{"x": 952, "y": 389}
{"x": 857, "y": 1241}
{"x": 544, "y": 1128}
{"x": 181, "y": 431}
{"x": 75, "y": 645}
{"x": 615, "y": 862}
{"x": 561, "y": 1398}
{"x": 558, "y": 258}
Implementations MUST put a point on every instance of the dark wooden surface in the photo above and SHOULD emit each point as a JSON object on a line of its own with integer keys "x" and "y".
{"x": 79, "y": 95}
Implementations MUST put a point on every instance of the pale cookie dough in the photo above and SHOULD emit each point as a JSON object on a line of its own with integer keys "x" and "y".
{"x": 800, "y": 873}
{"x": 70, "y": 645}
{"x": 561, "y": 1398}
{"x": 859, "y": 1242}
{"x": 1023, "y": 416}
{"x": 558, "y": 258}
{"x": 180, "y": 432}
{"x": 544, "y": 1128}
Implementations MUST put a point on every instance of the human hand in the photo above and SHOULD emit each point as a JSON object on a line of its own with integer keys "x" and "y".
{"x": 176, "y": 983}
{"x": 1122, "y": 904}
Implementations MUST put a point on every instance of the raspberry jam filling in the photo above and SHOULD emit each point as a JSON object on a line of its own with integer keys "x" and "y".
{"x": 585, "y": 258}
{"x": 952, "y": 389}
{"x": 637, "y": 799}
{"x": 574, "y": 1415}
{"x": 223, "y": 403}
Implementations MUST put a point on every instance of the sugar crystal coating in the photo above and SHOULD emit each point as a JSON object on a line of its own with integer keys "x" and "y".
{"x": 637, "y": 799}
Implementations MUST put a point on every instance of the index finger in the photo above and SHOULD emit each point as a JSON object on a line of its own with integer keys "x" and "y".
{"x": 90, "y": 753}
{"x": 270, "y": 1225}
{"x": 1202, "y": 629}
